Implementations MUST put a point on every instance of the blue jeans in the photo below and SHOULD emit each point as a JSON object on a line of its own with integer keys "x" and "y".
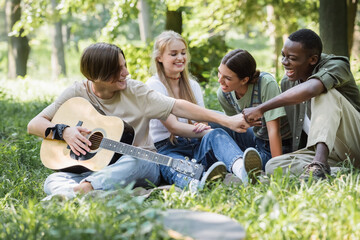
{"x": 248, "y": 139}
{"x": 125, "y": 170}
{"x": 215, "y": 146}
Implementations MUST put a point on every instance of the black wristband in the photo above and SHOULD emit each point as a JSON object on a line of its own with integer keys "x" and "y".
{"x": 57, "y": 130}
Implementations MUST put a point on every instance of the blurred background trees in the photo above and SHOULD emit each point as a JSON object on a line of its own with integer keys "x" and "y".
{"x": 56, "y": 31}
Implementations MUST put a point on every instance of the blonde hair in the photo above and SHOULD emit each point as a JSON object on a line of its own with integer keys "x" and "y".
{"x": 161, "y": 42}
{"x": 186, "y": 93}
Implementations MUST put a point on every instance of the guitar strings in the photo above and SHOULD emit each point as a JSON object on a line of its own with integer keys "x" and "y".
{"x": 96, "y": 139}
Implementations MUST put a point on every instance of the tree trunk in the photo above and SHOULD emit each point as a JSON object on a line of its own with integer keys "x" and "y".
{"x": 278, "y": 46}
{"x": 356, "y": 42}
{"x": 57, "y": 52}
{"x": 174, "y": 21}
{"x": 333, "y": 27}
{"x": 276, "y": 38}
{"x": 18, "y": 47}
{"x": 351, "y": 14}
{"x": 144, "y": 20}
{"x": 3, "y": 28}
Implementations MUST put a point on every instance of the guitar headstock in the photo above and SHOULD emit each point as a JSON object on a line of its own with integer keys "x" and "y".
{"x": 187, "y": 167}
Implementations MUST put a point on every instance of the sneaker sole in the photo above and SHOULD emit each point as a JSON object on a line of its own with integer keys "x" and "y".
{"x": 219, "y": 172}
{"x": 253, "y": 165}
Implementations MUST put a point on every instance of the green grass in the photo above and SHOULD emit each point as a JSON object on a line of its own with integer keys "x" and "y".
{"x": 282, "y": 209}
{"x": 258, "y": 46}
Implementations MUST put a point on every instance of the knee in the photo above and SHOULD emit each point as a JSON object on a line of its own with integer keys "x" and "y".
{"x": 51, "y": 182}
{"x": 126, "y": 162}
{"x": 269, "y": 168}
{"x": 271, "y": 165}
{"x": 217, "y": 132}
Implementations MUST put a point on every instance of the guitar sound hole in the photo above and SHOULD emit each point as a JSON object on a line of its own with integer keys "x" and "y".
{"x": 95, "y": 140}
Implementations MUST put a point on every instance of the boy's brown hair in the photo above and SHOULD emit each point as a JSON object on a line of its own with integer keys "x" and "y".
{"x": 100, "y": 61}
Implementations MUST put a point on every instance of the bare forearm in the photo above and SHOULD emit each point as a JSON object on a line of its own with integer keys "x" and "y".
{"x": 295, "y": 95}
{"x": 183, "y": 129}
{"x": 187, "y": 110}
{"x": 187, "y": 131}
{"x": 38, "y": 125}
{"x": 191, "y": 111}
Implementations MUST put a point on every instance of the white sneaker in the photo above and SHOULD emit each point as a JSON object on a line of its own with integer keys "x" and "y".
{"x": 61, "y": 195}
{"x": 215, "y": 172}
{"x": 252, "y": 163}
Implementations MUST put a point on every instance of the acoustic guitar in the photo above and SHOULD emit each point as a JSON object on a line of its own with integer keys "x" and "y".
{"x": 110, "y": 138}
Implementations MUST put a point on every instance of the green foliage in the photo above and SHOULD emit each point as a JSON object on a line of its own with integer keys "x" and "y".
{"x": 119, "y": 216}
{"x": 207, "y": 56}
{"x": 122, "y": 12}
{"x": 257, "y": 44}
{"x": 33, "y": 15}
{"x": 138, "y": 60}
{"x": 210, "y": 92}
{"x": 205, "y": 23}
{"x": 86, "y": 26}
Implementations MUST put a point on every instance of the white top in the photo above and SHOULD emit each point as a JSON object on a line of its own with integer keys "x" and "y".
{"x": 158, "y": 131}
{"x": 306, "y": 125}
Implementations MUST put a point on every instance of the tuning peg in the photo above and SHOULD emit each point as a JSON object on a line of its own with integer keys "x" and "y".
{"x": 187, "y": 158}
{"x": 193, "y": 160}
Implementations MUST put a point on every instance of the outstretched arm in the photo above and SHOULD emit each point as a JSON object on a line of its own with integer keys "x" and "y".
{"x": 295, "y": 95}
{"x": 185, "y": 109}
{"x": 185, "y": 129}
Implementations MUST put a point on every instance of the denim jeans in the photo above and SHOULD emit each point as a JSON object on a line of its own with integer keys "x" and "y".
{"x": 215, "y": 146}
{"x": 125, "y": 170}
{"x": 248, "y": 139}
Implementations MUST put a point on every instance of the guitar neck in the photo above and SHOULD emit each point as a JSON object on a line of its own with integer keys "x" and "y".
{"x": 130, "y": 150}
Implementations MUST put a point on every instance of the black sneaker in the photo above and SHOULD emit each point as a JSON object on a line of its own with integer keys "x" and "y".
{"x": 317, "y": 170}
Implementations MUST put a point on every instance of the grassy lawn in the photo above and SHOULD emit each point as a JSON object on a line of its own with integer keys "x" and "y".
{"x": 284, "y": 208}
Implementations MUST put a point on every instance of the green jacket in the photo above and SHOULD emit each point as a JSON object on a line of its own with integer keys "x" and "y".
{"x": 334, "y": 72}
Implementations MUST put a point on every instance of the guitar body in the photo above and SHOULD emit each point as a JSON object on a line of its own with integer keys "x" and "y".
{"x": 110, "y": 138}
{"x": 56, "y": 155}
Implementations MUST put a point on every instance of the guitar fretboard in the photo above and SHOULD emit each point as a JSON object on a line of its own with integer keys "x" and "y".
{"x": 124, "y": 148}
